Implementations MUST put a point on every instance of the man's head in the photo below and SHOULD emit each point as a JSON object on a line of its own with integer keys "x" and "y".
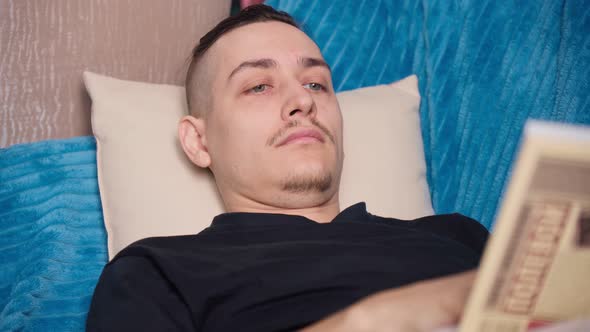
{"x": 264, "y": 116}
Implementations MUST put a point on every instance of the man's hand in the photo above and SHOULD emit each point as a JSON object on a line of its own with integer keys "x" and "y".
{"x": 422, "y": 306}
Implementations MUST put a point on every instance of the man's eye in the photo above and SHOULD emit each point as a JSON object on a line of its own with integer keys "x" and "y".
{"x": 314, "y": 86}
{"x": 259, "y": 88}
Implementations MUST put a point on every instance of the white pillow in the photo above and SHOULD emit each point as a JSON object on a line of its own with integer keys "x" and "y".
{"x": 149, "y": 188}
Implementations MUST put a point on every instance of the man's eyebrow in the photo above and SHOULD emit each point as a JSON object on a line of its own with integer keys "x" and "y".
{"x": 306, "y": 62}
{"x": 259, "y": 63}
{"x": 314, "y": 62}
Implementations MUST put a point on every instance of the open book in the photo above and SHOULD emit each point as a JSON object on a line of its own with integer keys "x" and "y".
{"x": 536, "y": 266}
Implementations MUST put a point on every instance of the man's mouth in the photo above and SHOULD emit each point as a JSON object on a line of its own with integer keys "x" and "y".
{"x": 302, "y": 136}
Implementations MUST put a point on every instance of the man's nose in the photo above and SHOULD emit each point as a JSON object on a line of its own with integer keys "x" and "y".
{"x": 298, "y": 103}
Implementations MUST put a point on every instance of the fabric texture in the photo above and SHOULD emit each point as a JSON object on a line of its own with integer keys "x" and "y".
{"x": 52, "y": 238}
{"x": 275, "y": 272}
{"x": 145, "y": 178}
{"x": 484, "y": 67}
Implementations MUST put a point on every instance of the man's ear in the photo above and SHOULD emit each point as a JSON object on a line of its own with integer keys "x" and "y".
{"x": 191, "y": 132}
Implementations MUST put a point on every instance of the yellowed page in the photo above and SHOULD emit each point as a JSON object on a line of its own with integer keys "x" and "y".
{"x": 536, "y": 266}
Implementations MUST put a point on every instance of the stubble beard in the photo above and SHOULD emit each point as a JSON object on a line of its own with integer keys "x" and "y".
{"x": 298, "y": 184}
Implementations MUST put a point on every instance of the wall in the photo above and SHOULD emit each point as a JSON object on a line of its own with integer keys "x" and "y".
{"x": 45, "y": 46}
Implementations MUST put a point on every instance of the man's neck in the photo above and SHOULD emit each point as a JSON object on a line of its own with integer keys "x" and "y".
{"x": 323, "y": 212}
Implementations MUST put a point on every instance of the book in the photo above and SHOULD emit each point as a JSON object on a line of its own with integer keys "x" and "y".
{"x": 535, "y": 269}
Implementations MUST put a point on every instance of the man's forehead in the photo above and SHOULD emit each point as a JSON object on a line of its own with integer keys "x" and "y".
{"x": 263, "y": 40}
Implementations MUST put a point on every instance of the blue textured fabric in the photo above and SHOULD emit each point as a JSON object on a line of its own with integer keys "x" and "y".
{"x": 484, "y": 68}
{"x": 52, "y": 238}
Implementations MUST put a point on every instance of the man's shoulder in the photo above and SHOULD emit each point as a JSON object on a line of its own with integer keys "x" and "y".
{"x": 165, "y": 241}
{"x": 434, "y": 220}
{"x": 451, "y": 219}
{"x": 158, "y": 245}
{"x": 456, "y": 226}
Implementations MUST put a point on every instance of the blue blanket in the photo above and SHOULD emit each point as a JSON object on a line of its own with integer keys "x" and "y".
{"x": 484, "y": 66}
{"x": 52, "y": 238}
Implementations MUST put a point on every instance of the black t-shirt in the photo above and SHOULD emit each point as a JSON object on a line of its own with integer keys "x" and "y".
{"x": 275, "y": 272}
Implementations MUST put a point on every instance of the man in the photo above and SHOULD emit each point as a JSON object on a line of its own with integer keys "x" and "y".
{"x": 265, "y": 120}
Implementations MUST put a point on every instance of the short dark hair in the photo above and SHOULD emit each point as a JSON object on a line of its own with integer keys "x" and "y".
{"x": 249, "y": 15}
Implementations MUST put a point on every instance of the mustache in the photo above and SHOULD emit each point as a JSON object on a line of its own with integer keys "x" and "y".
{"x": 293, "y": 124}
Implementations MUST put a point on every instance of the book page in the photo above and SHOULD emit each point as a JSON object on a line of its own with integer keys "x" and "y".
{"x": 536, "y": 267}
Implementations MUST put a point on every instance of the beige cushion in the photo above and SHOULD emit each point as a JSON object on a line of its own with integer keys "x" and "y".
{"x": 384, "y": 155}
{"x": 148, "y": 187}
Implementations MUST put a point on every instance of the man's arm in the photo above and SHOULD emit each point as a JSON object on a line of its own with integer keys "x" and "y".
{"x": 132, "y": 295}
{"x": 422, "y": 306}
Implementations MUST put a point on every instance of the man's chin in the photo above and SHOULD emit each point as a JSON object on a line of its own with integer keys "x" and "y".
{"x": 308, "y": 183}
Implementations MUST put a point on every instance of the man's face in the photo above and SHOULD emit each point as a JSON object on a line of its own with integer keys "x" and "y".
{"x": 274, "y": 130}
